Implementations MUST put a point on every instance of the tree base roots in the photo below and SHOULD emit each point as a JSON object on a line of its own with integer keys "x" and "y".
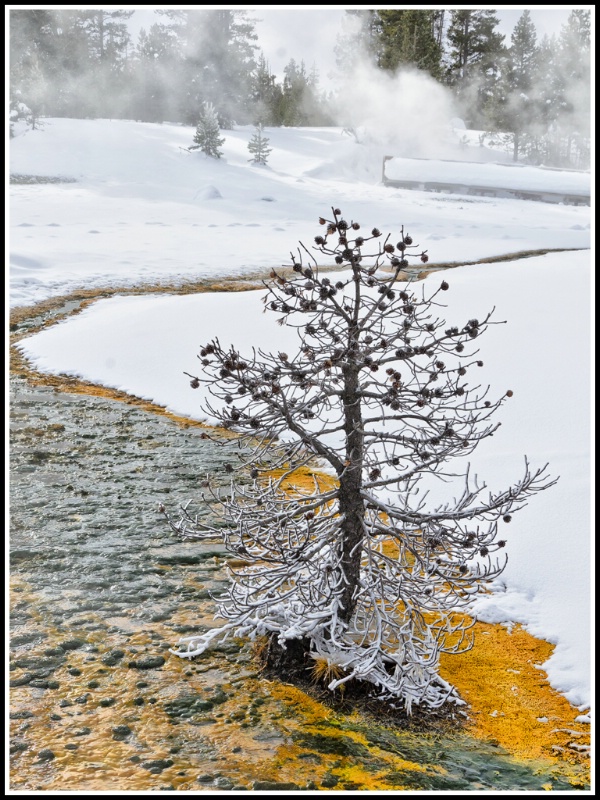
{"x": 294, "y": 664}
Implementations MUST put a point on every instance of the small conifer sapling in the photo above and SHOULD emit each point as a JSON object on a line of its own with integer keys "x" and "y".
{"x": 258, "y": 146}
{"x": 206, "y": 137}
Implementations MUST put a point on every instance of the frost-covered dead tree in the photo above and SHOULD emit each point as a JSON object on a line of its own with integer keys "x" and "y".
{"x": 361, "y": 570}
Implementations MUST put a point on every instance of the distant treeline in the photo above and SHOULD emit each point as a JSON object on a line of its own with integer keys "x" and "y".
{"x": 83, "y": 63}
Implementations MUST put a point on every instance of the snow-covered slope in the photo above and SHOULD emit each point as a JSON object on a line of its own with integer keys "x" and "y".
{"x": 143, "y": 209}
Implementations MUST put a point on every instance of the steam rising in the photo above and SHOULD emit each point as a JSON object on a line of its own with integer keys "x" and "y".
{"x": 407, "y": 113}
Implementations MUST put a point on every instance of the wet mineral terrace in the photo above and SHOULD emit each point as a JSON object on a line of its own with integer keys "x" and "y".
{"x": 101, "y": 589}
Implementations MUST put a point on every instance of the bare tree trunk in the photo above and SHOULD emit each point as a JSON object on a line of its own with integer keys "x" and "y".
{"x": 464, "y": 50}
{"x": 351, "y": 504}
{"x": 516, "y": 146}
{"x": 352, "y": 507}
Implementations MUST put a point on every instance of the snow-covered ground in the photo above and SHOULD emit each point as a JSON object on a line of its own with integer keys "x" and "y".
{"x": 144, "y": 210}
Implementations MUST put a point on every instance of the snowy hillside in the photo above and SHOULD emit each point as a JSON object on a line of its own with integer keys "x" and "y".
{"x": 143, "y": 209}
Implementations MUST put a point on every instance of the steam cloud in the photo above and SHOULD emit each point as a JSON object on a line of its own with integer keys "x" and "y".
{"x": 407, "y": 113}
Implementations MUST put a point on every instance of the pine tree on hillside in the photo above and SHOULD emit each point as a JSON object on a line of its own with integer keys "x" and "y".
{"x": 573, "y": 88}
{"x": 155, "y": 60}
{"x": 207, "y": 137}
{"x": 358, "y": 40}
{"x": 369, "y": 570}
{"x": 548, "y": 84}
{"x": 104, "y": 86}
{"x": 216, "y": 61}
{"x": 409, "y": 37}
{"x": 515, "y": 107}
{"x": 265, "y": 94}
{"x": 45, "y": 51}
{"x": 258, "y": 146}
{"x": 475, "y": 50}
{"x": 521, "y": 75}
{"x": 301, "y": 103}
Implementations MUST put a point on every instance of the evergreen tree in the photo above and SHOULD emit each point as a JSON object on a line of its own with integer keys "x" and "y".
{"x": 207, "y": 137}
{"x": 473, "y": 61}
{"x": 17, "y": 112}
{"x": 156, "y": 61}
{"x": 521, "y": 75}
{"x": 548, "y": 84}
{"x": 35, "y": 90}
{"x": 76, "y": 62}
{"x": 216, "y": 63}
{"x": 36, "y": 54}
{"x": 107, "y": 35}
{"x": 104, "y": 82}
{"x": 258, "y": 146}
{"x": 573, "y": 87}
{"x": 544, "y": 98}
{"x": 358, "y": 40}
{"x": 301, "y": 103}
{"x": 410, "y": 37}
{"x": 295, "y": 86}
{"x": 365, "y": 571}
{"x": 266, "y": 94}
{"x": 515, "y": 108}
{"x": 316, "y": 103}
